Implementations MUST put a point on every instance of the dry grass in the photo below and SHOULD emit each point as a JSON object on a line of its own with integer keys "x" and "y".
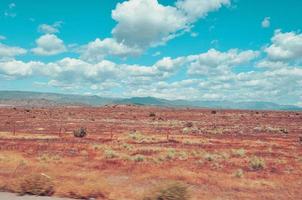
{"x": 169, "y": 191}
{"x": 37, "y": 184}
{"x": 134, "y": 162}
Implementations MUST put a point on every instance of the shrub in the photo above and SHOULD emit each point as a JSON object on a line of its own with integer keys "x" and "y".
{"x": 170, "y": 154}
{"x": 174, "y": 191}
{"x": 186, "y": 130}
{"x": 37, "y": 184}
{"x": 88, "y": 190}
{"x": 238, "y": 152}
{"x": 214, "y": 112}
{"x": 209, "y": 157}
{"x": 110, "y": 154}
{"x": 257, "y": 163}
{"x": 152, "y": 114}
{"x": 80, "y": 132}
{"x": 189, "y": 124}
{"x": 239, "y": 173}
{"x": 139, "y": 158}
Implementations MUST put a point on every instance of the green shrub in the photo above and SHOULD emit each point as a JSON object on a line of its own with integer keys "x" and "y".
{"x": 170, "y": 154}
{"x": 238, "y": 173}
{"x": 110, "y": 154}
{"x": 139, "y": 158}
{"x": 256, "y": 163}
{"x": 209, "y": 157}
{"x": 238, "y": 152}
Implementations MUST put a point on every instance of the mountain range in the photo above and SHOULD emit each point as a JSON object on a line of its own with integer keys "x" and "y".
{"x": 22, "y": 98}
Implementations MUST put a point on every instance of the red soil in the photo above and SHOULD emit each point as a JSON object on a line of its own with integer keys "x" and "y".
{"x": 160, "y": 148}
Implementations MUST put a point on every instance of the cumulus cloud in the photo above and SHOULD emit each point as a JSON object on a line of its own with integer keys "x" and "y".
{"x": 266, "y": 22}
{"x": 195, "y": 9}
{"x": 49, "y": 44}
{"x": 50, "y": 29}
{"x": 16, "y": 68}
{"x": 215, "y": 62}
{"x": 10, "y": 51}
{"x": 97, "y": 50}
{"x": 207, "y": 76}
{"x": 157, "y": 23}
{"x": 285, "y": 46}
{"x": 2, "y": 37}
{"x": 152, "y": 24}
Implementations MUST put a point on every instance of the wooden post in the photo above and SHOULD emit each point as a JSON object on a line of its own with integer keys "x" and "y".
{"x": 168, "y": 135}
{"x": 14, "y": 128}
{"x": 60, "y": 131}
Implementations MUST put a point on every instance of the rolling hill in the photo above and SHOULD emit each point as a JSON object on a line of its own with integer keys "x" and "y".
{"x": 21, "y": 98}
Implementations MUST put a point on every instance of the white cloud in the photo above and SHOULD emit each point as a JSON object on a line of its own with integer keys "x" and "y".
{"x": 9, "y": 12}
{"x": 49, "y": 44}
{"x": 266, "y": 22}
{"x": 2, "y": 37}
{"x": 157, "y": 53}
{"x": 50, "y": 29}
{"x": 271, "y": 64}
{"x": 11, "y": 5}
{"x": 206, "y": 76}
{"x": 153, "y": 24}
{"x": 10, "y": 51}
{"x": 16, "y": 68}
{"x": 150, "y": 24}
{"x": 215, "y": 62}
{"x": 285, "y": 46}
{"x": 97, "y": 50}
{"x": 195, "y": 9}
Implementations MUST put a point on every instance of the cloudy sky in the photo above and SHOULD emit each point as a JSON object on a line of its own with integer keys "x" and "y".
{"x": 237, "y": 50}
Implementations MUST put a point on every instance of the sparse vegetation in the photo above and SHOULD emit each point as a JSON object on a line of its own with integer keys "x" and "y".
{"x": 89, "y": 190}
{"x": 238, "y": 173}
{"x": 110, "y": 154}
{"x": 37, "y": 184}
{"x": 238, "y": 152}
{"x": 174, "y": 191}
{"x": 139, "y": 158}
{"x": 256, "y": 163}
{"x": 152, "y": 114}
{"x": 189, "y": 125}
{"x": 209, "y": 157}
{"x": 80, "y": 133}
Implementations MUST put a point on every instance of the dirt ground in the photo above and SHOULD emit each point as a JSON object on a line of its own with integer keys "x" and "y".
{"x": 130, "y": 150}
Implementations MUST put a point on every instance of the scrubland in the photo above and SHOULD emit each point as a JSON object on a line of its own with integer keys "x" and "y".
{"x": 148, "y": 153}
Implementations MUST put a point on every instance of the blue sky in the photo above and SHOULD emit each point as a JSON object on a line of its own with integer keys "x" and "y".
{"x": 237, "y": 50}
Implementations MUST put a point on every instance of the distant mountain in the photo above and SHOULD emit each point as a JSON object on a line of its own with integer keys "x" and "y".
{"x": 52, "y": 98}
{"x": 18, "y": 98}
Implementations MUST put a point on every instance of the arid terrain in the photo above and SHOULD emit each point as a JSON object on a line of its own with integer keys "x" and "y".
{"x": 130, "y": 150}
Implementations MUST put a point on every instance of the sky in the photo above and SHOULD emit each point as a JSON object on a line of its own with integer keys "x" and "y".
{"x": 222, "y": 50}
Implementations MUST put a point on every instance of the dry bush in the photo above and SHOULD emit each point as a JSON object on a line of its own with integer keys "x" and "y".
{"x": 171, "y": 191}
{"x": 37, "y": 184}
{"x": 88, "y": 190}
{"x": 189, "y": 125}
{"x": 152, "y": 114}
{"x": 80, "y": 133}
